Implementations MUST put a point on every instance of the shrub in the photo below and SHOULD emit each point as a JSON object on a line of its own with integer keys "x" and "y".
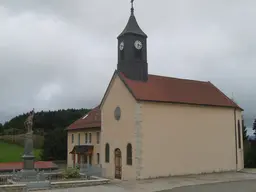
{"x": 250, "y": 156}
{"x": 71, "y": 173}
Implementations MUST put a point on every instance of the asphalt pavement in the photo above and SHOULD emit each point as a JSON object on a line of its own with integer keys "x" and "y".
{"x": 238, "y": 186}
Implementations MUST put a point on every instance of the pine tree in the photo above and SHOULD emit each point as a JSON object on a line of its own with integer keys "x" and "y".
{"x": 254, "y": 127}
{"x": 250, "y": 151}
{"x": 245, "y": 136}
{"x": 54, "y": 148}
{"x": 1, "y": 128}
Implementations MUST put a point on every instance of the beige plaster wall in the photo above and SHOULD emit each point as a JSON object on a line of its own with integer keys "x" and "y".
{"x": 184, "y": 139}
{"x": 118, "y": 133}
{"x": 82, "y": 142}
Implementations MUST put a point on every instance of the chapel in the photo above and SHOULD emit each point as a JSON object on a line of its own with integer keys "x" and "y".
{"x": 155, "y": 126}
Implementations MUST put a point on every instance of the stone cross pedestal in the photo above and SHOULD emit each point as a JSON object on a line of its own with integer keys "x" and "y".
{"x": 28, "y": 157}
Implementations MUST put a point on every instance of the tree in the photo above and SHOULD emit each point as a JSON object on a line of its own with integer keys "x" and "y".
{"x": 1, "y": 128}
{"x": 254, "y": 127}
{"x": 245, "y": 136}
{"x": 250, "y": 151}
{"x": 55, "y": 147}
{"x": 47, "y": 120}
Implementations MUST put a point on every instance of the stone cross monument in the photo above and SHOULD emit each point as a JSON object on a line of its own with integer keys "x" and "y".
{"x": 28, "y": 173}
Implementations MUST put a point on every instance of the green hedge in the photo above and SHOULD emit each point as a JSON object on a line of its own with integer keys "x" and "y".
{"x": 20, "y": 139}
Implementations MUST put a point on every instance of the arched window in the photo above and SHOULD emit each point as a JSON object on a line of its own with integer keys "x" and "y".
{"x": 239, "y": 134}
{"x": 129, "y": 154}
{"x": 107, "y": 153}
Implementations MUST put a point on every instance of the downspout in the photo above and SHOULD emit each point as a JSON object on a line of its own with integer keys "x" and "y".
{"x": 235, "y": 137}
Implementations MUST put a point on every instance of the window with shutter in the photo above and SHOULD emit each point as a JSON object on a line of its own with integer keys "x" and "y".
{"x": 107, "y": 153}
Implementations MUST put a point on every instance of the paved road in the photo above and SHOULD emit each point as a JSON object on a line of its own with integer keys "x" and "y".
{"x": 239, "y": 186}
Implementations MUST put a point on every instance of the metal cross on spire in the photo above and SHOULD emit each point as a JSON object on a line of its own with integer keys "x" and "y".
{"x": 132, "y": 8}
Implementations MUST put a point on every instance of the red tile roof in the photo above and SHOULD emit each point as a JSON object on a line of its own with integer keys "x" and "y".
{"x": 90, "y": 120}
{"x": 163, "y": 89}
{"x": 19, "y": 165}
{"x": 174, "y": 90}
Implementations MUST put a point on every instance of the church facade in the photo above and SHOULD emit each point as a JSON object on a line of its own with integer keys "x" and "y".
{"x": 147, "y": 139}
{"x": 154, "y": 126}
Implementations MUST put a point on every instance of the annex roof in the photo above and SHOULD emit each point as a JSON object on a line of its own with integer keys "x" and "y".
{"x": 89, "y": 120}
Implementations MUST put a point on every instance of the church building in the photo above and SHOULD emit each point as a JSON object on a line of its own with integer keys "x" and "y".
{"x": 154, "y": 126}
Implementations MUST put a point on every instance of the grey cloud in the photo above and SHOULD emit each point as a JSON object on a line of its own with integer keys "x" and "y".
{"x": 62, "y": 53}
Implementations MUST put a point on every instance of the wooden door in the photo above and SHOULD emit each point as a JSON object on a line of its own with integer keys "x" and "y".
{"x": 118, "y": 164}
{"x": 85, "y": 159}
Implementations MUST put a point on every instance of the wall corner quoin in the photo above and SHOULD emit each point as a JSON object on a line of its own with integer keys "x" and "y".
{"x": 138, "y": 138}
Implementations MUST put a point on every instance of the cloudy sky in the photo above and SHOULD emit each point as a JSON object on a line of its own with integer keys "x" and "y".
{"x": 62, "y": 53}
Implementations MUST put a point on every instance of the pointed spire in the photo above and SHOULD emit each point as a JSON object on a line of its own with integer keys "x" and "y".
{"x": 132, "y": 26}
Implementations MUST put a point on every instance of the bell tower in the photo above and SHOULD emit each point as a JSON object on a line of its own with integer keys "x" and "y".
{"x": 132, "y": 50}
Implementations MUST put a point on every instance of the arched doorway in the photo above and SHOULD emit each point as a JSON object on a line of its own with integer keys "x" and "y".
{"x": 118, "y": 164}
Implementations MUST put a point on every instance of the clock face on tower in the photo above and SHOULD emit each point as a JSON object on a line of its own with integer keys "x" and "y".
{"x": 121, "y": 46}
{"x": 138, "y": 44}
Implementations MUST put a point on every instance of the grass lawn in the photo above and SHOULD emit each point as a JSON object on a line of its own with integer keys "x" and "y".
{"x": 13, "y": 153}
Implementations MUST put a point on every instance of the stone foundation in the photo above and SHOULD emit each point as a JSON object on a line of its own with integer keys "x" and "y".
{"x": 58, "y": 184}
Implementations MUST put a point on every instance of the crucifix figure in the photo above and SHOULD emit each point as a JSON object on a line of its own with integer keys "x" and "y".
{"x": 29, "y": 121}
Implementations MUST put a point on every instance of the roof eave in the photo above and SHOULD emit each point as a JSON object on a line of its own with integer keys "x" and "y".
{"x": 235, "y": 104}
{"x": 81, "y": 128}
{"x": 173, "y": 102}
